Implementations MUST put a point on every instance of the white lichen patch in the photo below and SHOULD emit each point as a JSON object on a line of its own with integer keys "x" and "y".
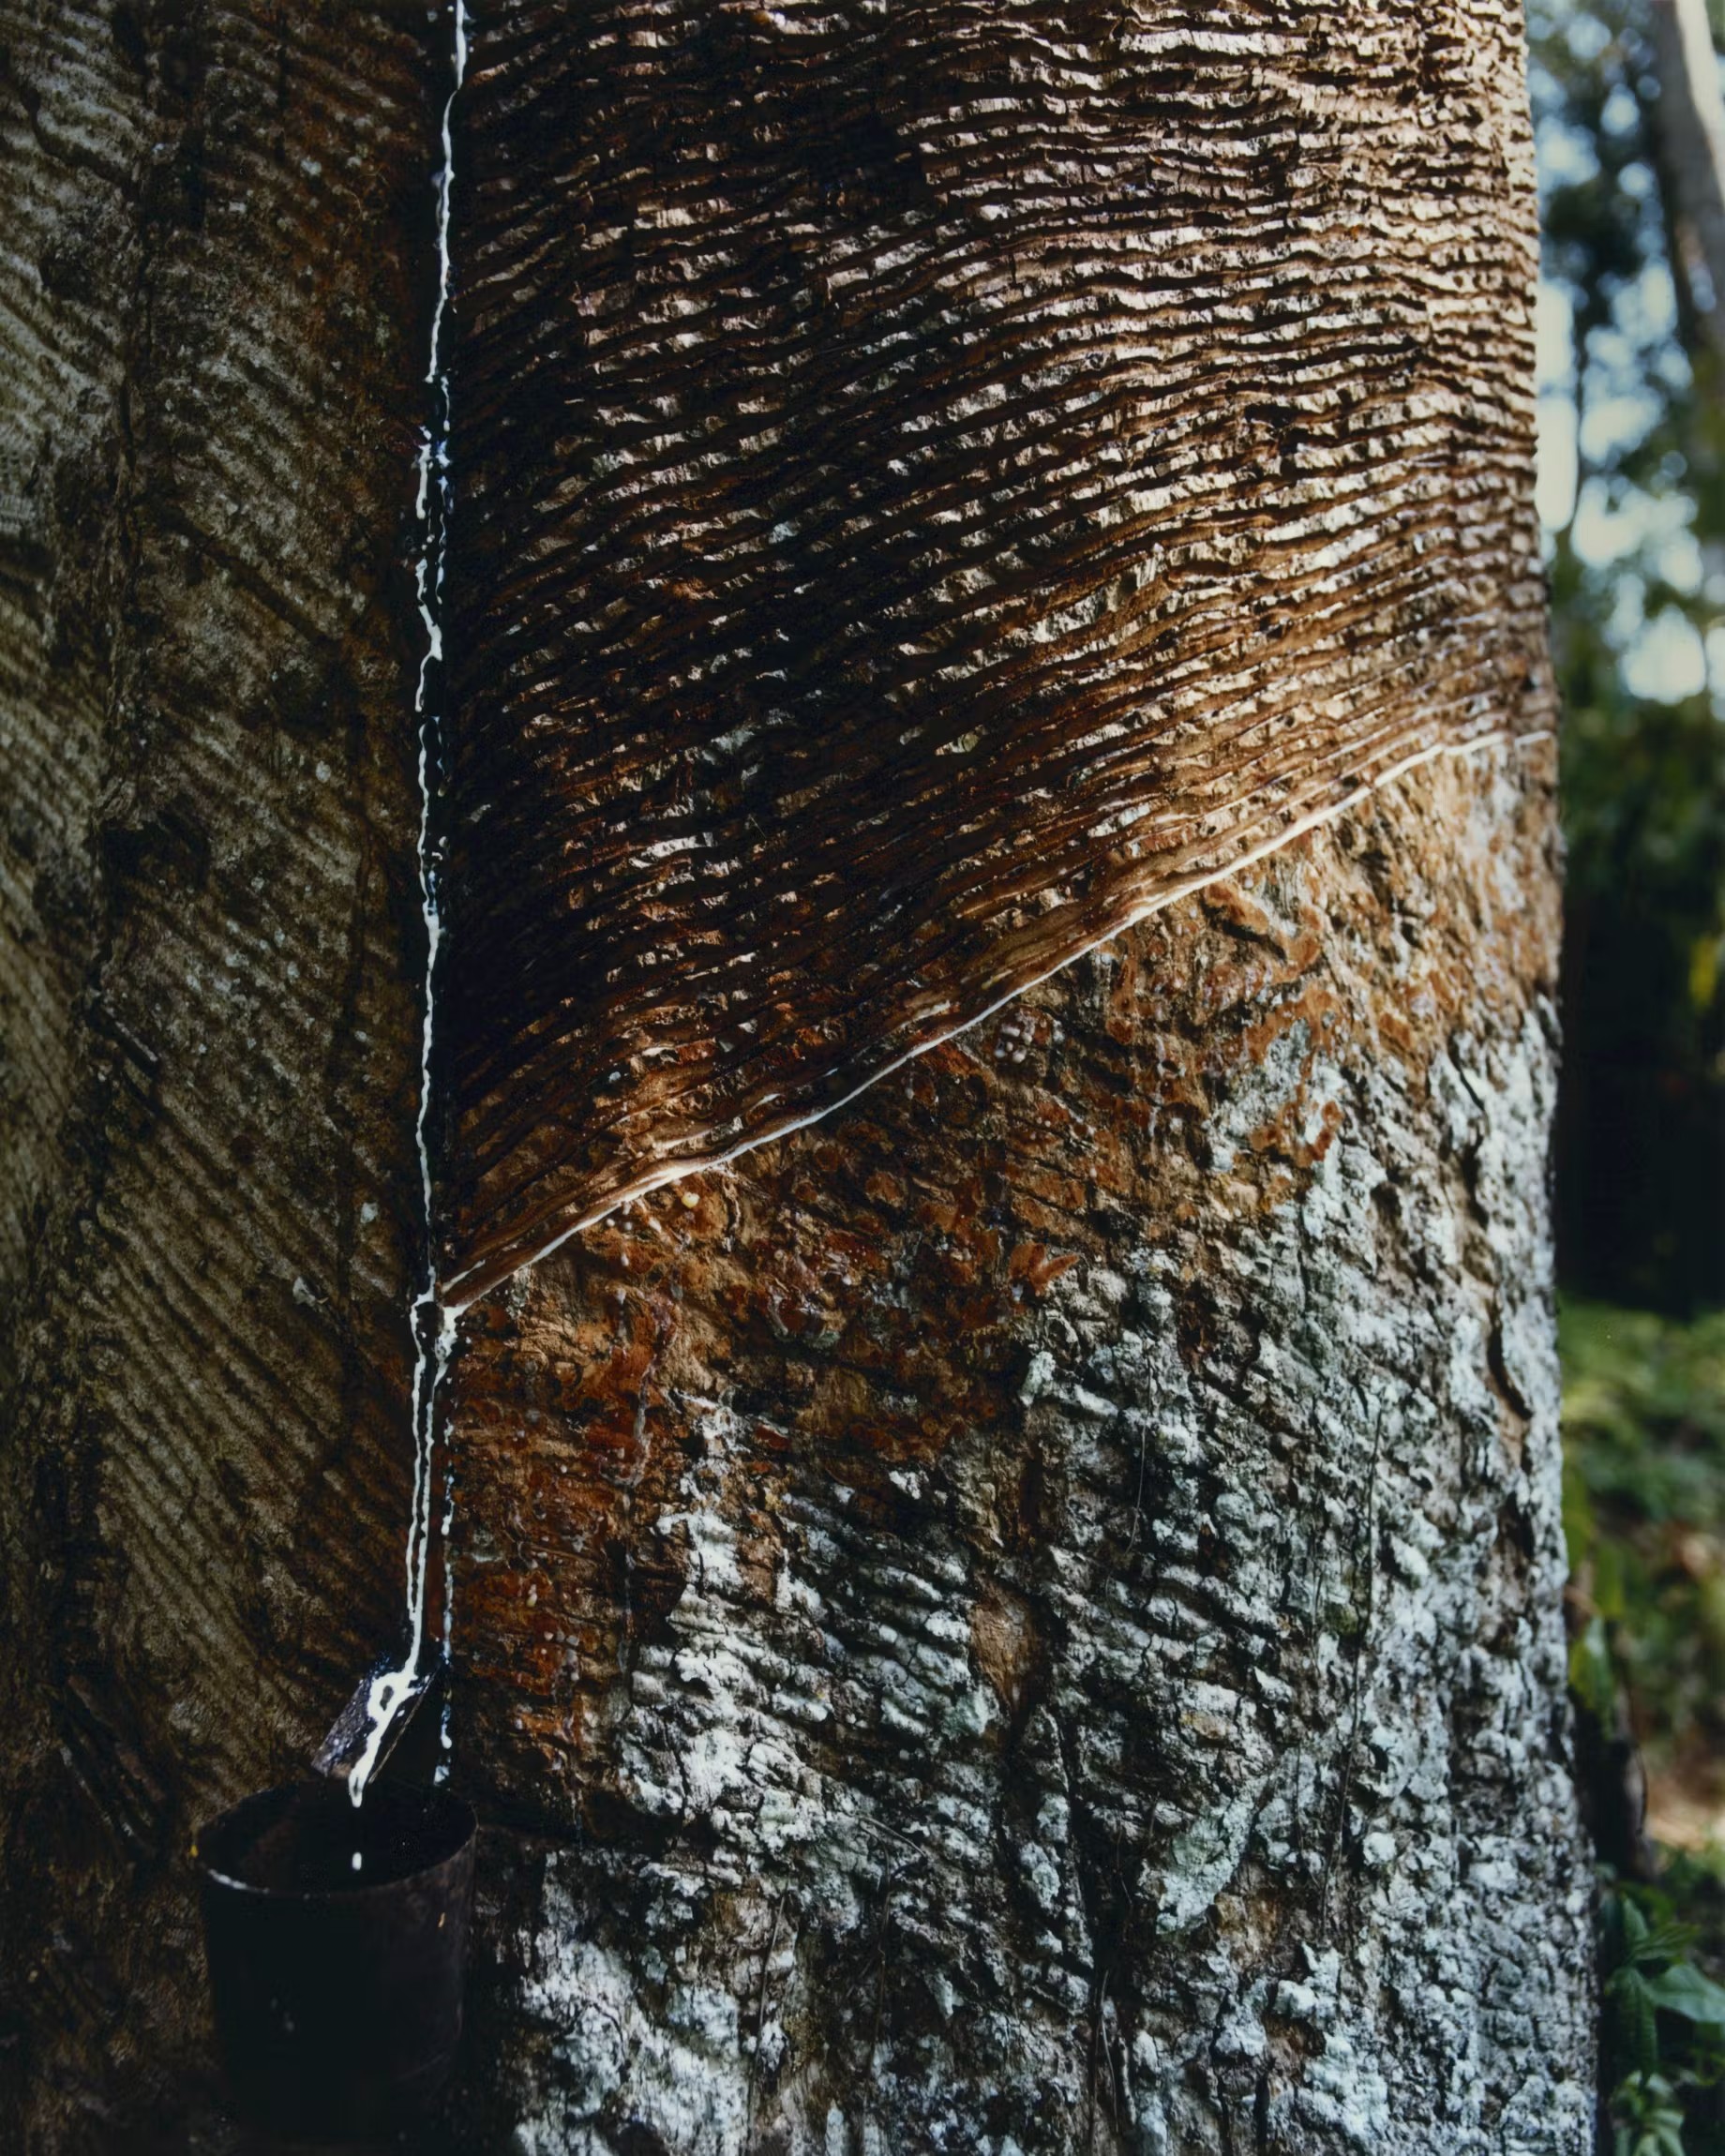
{"x": 674, "y": 2054}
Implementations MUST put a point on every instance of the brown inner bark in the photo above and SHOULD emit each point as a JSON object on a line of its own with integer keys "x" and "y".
{"x": 932, "y": 483}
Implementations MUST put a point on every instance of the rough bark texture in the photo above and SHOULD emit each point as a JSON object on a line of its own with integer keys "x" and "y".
{"x": 1028, "y": 1613}
{"x": 210, "y": 329}
{"x": 1022, "y": 1616}
{"x": 932, "y": 481}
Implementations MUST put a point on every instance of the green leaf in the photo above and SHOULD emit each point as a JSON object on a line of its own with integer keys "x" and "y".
{"x": 1683, "y": 1990}
{"x": 1592, "y": 1677}
{"x": 1643, "y": 2026}
{"x": 1646, "y": 2117}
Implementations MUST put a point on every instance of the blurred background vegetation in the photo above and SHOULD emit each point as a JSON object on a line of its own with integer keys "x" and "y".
{"x": 1631, "y": 130}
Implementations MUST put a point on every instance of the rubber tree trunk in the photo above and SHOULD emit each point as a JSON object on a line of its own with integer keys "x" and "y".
{"x": 1023, "y": 1614}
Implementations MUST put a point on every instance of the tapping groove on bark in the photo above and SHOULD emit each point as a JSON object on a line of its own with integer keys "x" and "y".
{"x": 936, "y": 482}
{"x": 212, "y": 264}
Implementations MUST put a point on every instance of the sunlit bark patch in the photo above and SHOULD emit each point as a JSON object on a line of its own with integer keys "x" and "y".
{"x": 933, "y": 483}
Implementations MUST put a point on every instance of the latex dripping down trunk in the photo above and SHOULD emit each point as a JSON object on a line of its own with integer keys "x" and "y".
{"x": 391, "y": 1691}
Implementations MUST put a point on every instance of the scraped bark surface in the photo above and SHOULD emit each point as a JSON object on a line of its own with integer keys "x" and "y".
{"x": 932, "y": 482}
{"x": 1025, "y": 1616}
{"x": 213, "y": 241}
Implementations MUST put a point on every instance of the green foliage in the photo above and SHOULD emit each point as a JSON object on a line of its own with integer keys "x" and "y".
{"x": 1593, "y": 77}
{"x": 1643, "y": 795}
{"x": 1644, "y": 1410}
{"x": 1638, "y": 596}
{"x": 1645, "y": 1515}
{"x": 1646, "y": 2119}
{"x": 1642, "y": 558}
{"x": 1664, "y": 2034}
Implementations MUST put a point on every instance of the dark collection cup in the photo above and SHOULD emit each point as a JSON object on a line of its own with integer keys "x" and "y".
{"x": 337, "y": 1987}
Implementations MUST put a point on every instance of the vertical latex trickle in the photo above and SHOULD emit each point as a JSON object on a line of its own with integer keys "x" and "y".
{"x": 433, "y": 1325}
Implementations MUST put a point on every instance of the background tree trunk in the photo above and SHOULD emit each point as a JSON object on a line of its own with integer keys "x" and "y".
{"x": 1022, "y": 1615}
{"x": 1691, "y": 117}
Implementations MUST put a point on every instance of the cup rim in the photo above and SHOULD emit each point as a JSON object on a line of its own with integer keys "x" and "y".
{"x": 459, "y": 1827}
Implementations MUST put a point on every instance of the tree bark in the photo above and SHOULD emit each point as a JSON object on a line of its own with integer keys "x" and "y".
{"x": 933, "y": 484}
{"x": 1027, "y": 1614}
{"x": 215, "y": 254}
{"x": 1020, "y": 1616}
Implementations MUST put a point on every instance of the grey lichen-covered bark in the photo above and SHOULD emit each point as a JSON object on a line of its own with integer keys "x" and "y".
{"x": 1040, "y": 1596}
{"x": 1022, "y": 1615}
